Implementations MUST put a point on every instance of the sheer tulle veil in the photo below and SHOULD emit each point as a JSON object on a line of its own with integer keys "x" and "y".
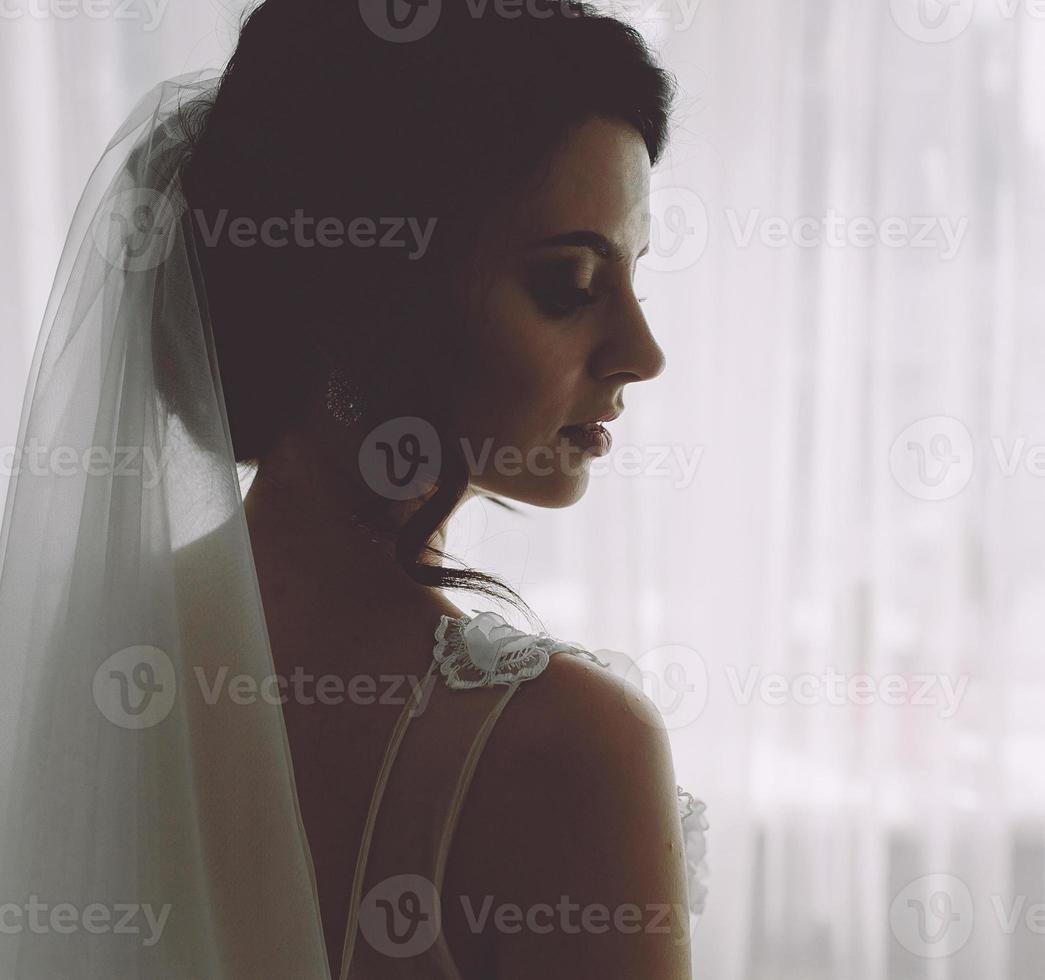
{"x": 150, "y": 825}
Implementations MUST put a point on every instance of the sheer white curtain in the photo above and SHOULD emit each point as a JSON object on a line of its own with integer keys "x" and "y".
{"x": 821, "y": 531}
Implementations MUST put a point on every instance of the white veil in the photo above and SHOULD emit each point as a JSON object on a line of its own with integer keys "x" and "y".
{"x": 149, "y": 825}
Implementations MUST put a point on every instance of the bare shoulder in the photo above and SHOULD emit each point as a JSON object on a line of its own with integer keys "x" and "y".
{"x": 581, "y": 733}
{"x": 578, "y": 775}
{"x": 586, "y": 703}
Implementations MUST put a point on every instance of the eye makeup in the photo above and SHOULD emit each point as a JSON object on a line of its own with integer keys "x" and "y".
{"x": 557, "y": 287}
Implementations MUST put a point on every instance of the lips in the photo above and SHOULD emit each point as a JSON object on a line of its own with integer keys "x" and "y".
{"x": 585, "y": 427}
{"x": 592, "y": 437}
{"x": 596, "y": 421}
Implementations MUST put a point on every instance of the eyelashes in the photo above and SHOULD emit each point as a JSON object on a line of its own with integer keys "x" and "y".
{"x": 554, "y": 288}
{"x": 556, "y": 293}
{"x": 563, "y": 301}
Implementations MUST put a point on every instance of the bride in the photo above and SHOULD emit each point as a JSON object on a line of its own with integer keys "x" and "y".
{"x": 385, "y": 262}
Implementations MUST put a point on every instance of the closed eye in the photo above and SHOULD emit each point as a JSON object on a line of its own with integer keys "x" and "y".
{"x": 563, "y": 301}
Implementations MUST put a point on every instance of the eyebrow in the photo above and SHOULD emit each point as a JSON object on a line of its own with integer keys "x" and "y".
{"x": 599, "y": 244}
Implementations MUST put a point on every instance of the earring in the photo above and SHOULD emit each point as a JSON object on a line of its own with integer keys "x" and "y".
{"x": 344, "y": 399}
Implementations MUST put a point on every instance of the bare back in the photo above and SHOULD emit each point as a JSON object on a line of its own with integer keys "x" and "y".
{"x": 355, "y": 640}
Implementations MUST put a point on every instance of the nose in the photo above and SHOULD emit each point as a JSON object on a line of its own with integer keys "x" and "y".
{"x": 631, "y": 348}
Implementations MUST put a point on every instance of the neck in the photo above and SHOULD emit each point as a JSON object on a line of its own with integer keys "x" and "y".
{"x": 302, "y": 498}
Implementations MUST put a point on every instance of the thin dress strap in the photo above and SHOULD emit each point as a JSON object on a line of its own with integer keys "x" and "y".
{"x": 391, "y": 751}
{"x": 421, "y": 789}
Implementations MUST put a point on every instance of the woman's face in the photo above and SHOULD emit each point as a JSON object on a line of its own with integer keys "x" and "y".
{"x": 557, "y": 330}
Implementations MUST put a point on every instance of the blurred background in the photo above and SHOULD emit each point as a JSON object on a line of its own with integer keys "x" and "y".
{"x": 821, "y": 532}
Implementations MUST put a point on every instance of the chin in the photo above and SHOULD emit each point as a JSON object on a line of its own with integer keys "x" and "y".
{"x": 553, "y": 491}
{"x": 557, "y": 476}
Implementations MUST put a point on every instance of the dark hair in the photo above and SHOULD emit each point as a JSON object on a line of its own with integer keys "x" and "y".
{"x": 315, "y": 111}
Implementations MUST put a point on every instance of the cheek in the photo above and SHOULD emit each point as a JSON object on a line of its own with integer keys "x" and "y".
{"x": 525, "y": 374}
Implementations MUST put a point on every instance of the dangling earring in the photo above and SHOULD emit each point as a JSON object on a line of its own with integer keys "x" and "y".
{"x": 344, "y": 399}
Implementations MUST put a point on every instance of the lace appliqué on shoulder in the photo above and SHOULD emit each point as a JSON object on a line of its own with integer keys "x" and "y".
{"x": 694, "y": 824}
{"x": 485, "y": 650}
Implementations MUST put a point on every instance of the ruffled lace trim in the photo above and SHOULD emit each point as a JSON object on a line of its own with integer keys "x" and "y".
{"x": 485, "y": 649}
{"x": 694, "y": 825}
